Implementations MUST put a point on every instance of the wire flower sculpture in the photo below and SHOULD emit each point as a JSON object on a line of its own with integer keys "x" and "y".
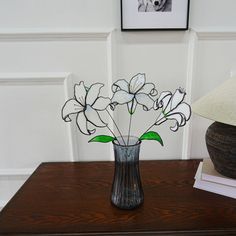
{"x": 87, "y": 105}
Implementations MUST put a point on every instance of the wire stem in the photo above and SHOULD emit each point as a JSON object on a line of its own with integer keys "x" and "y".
{"x": 116, "y": 126}
{"x": 130, "y": 121}
{"x": 151, "y": 125}
{"x": 113, "y": 133}
{"x": 149, "y": 128}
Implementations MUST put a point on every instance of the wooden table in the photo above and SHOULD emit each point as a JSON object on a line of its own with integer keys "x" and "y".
{"x": 74, "y": 199}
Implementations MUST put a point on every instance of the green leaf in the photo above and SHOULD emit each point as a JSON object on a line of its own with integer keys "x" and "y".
{"x": 151, "y": 135}
{"x": 102, "y": 139}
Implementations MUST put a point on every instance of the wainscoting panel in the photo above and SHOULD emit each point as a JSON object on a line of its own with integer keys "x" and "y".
{"x": 30, "y": 124}
{"x": 38, "y": 70}
{"x": 215, "y": 59}
{"x": 9, "y": 186}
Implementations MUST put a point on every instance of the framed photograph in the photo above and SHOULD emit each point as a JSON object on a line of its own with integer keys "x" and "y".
{"x": 154, "y": 14}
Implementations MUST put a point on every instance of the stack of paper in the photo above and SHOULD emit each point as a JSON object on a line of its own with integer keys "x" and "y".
{"x": 208, "y": 179}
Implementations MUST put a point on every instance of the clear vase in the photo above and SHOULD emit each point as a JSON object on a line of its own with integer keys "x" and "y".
{"x": 127, "y": 192}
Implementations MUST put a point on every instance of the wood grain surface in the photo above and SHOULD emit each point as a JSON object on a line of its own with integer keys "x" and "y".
{"x": 74, "y": 199}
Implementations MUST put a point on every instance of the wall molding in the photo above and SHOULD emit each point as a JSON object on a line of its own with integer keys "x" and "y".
{"x": 75, "y": 34}
{"x": 63, "y": 78}
{"x": 33, "y": 78}
{"x": 111, "y": 73}
{"x": 191, "y": 64}
{"x": 45, "y": 34}
{"x": 16, "y": 172}
{"x": 215, "y": 34}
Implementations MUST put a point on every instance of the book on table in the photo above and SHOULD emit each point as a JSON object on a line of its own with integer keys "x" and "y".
{"x": 210, "y": 174}
{"x": 208, "y": 179}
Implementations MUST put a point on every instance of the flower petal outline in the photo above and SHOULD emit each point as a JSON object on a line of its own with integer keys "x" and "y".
{"x": 80, "y": 93}
{"x": 101, "y": 103}
{"x": 93, "y": 93}
{"x": 179, "y": 119}
{"x": 121, "y": 84}
{"x": 70, "y": 107}
{"x": 177, "y": 98}
{"x": 184, "y": 109}
{"x": 81, "y": 122}
{"x": 93, "y": 117}
{"x": 132, "y": 106}
{"x": 136, "y": 83}
{"x": 146, "y": 101}
{"x": 163, "y": 100}
{"x": 149, "y": 88}
{"x": 122, "y": 97}
{"x": 173, "y": 108}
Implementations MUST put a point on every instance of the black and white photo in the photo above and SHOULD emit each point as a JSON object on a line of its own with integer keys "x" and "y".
{"x": 154, "y": 5}
{"x": 154, "y": 14}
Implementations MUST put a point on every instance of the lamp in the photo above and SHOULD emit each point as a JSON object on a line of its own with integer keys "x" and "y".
{"x": 220, "y": 105}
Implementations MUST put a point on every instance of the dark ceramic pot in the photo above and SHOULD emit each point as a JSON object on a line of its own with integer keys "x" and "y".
{"x": 221, "y": 145}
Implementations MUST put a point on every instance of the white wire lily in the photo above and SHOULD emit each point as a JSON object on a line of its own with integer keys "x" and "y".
{"x": 133, "y": 93}
{"x": 86, "y": 104}
{"x": 173, "y": 108}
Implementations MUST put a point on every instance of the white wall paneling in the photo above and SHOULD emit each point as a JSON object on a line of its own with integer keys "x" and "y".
{"x": 21, "y": 127}
{"x": 163, "y": 57}
{"x": 113, "y": 67}
{"x": 58, "y": 34}
{"x": 81, "y": 40}
{"x": 112, "y": 74}
{"x": 89, "y": 54}
{"x": 16, "y": 172}
{"x": 9, "y": 184}
{"x": 57, "y": 13}
{"x": 214, "y": 61}
{"x": 10, "y": 181}
{"x": 213, "y": 35}
{"x": 233, "y": 72}
{"x": 191, "y": 64}
{"x": 23, "y": 141}
{"x": 195, "y": 130}
{"x": 209, "y": 14}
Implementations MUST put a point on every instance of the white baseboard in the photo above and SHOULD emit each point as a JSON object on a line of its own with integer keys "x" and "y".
{"x": 16, "y": 172}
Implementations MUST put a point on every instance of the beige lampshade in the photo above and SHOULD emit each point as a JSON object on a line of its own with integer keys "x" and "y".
{"x": 219, "y": 104}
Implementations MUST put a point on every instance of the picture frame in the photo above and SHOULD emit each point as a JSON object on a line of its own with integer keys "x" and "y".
{"x": 154, "y": 15}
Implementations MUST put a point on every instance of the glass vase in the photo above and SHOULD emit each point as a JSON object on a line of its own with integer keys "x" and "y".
{"x": 127, "y": 192}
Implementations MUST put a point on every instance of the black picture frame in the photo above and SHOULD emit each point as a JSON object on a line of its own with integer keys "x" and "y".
{"x": 145, "y": 16}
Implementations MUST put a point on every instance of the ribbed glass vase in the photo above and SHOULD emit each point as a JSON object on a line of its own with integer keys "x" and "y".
{"x": 127, "y": 192}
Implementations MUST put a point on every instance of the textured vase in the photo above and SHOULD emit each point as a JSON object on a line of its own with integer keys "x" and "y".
{"x": 127, "y": 192}
{"x": 221, "y": 145}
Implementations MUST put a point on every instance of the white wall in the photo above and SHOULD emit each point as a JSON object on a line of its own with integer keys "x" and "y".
{"x": 213, "y": 14}
{"x": 41, "y": 42}
{"x": 215, "y": 59}
{"x": 59, "y": 14}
